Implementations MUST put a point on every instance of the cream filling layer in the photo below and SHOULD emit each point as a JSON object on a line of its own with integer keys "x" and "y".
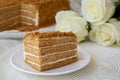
{"x": 27, "y": 23}
{"x": 37, "y": 22}
{"x": 32, "y": 55}
{"x": 28, "y": 18}
{"x": 49, "y": 63}
{"x": 52, "y": 45}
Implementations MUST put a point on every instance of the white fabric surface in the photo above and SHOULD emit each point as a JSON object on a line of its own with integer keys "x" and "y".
{"x": 105, "y": 64}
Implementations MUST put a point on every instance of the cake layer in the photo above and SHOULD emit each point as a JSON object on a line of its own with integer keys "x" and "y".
{"x": 6, "y": 16}
{"x": 29, "y": 7}
{"x": 13, "y": 26}
{"x": 9, "y": 17}
{"x": 27, "y": 20}
{"x": 50, "y": 63}
{"x": 26, "y": 27}
{"x": 46, "y": 39}
{"x": 28, "y": 14}
{"x": 54, "y": 65}
{"x": 49, "y": 50}
{"x": 26, "y": 24}
{"x": 49, "y": 41}
{"x": 4, "y": 3}
{"x": 49, "y": 58}
{"x": 8, "y": 23}
{"x": 38, "y": 36}
{"x": 50, "y": 46}
{"x": 9, "y": 9}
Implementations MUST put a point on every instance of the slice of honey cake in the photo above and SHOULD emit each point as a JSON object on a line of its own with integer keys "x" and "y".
{"x": 49, "y": 50}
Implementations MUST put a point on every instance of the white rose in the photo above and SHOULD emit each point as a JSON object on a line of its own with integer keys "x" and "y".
{"x": 97, "y": 12}
{"x": 62, "y": 15}
{"x": 71, "y": 21}
{"x": 107, "y": 34}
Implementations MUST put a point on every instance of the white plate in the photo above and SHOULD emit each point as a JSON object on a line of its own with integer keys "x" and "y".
{"x": 18, "y": 63}
{"x": 16, "y": 34}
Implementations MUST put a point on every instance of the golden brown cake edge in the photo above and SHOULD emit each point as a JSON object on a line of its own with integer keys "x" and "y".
{"x": 38, "y": 35}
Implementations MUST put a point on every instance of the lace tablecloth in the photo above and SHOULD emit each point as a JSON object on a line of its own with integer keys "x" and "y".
{"x": 105, "y": 64}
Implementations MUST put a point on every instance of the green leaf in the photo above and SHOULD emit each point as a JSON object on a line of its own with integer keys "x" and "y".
{"x": 117, "y": 3}
{"x": 117, "y": 11}
{"x": 89, "y": 27}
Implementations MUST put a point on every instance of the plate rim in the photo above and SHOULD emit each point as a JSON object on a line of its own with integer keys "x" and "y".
{"x": 49, "y": 74}
{"x": 15, "y": 34}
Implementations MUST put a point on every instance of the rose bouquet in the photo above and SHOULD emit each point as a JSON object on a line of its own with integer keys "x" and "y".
{"x": 99, "y": 20}
{"x": 107, "y": 33}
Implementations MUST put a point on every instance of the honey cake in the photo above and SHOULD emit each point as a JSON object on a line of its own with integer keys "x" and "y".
{"x": 28, "y": 15}
{"x": 50, "y": 50}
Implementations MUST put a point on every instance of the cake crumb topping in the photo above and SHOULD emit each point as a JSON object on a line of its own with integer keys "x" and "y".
{"x": 38, "y": 35}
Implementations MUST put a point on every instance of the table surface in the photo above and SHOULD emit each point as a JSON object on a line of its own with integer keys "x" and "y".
{"x": 104, "y": 65}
